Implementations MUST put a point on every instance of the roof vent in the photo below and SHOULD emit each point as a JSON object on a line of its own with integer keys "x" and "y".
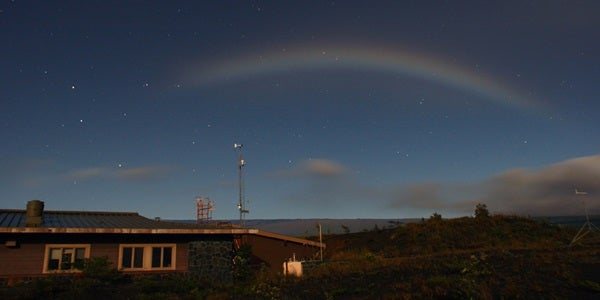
{"x": 35, "y": 209}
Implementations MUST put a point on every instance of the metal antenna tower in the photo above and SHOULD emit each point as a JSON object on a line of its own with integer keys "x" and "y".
{"x": 242, "y": 200}
{"x": 587, "y": 226}
{"x": 204, "y": 209}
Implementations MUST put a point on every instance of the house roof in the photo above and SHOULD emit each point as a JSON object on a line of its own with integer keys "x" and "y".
{"x": 88, "y": 219}
{"x": 94, "y": 222}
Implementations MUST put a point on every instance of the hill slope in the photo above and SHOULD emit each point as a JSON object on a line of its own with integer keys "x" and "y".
{"x": 482, "y": 258}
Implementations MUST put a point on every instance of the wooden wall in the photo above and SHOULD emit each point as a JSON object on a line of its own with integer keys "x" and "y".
{"x": 274, "y": 251}
{"x": 27, "y": 258}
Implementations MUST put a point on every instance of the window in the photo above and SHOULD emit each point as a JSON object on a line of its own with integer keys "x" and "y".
{"x": 161, "y": 257}
{"x": 132, "y": 257}
{"x": 65, "y": 258}
{"x": 147, "y": 257}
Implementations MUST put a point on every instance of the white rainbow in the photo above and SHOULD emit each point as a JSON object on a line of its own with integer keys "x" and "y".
{"x": 374, "y": 59}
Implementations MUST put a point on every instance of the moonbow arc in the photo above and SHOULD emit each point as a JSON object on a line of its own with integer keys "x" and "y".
{"x": 375, "y": 59}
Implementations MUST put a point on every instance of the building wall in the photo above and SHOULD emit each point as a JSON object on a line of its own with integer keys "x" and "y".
{"x": 274, "y": 251}
{"x": 209, "y": 256}
{"x": 211, "y": 259}
{"x": 182, "y": 257}
{"x": 111, "y": 251}
{"x": 26, "y": 260}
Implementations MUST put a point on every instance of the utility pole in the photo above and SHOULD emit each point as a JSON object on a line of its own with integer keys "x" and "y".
{"x": 320, "y": 240}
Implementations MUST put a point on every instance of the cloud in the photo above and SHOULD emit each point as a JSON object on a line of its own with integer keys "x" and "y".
{"x": 315, "y": 168}
{"x": 433, "y": 197}
{"x": 545, "y": 191}
{"x": 323, "y": 167}
{"x": 143, "y": 173}
{"x": 549, "y": 190}
{"x": 87, "y": 173}
{"x": 321, "y": 184}
{"x": 331, "y": 187}
{"x": 139, "y": 173}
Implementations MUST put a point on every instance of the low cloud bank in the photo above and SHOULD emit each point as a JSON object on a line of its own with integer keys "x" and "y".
{"x": 542, "y": 192}
{"x": 548, "y": 191}
{"x": 545, "y": 191}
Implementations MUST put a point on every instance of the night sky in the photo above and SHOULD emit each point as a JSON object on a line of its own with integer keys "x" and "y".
{"x": 346, "y": 109}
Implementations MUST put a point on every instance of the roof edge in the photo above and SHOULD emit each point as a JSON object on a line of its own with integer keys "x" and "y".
{"x": 73, "y": 212}
{"x": 288, "y": 238}
{"x": 233, "y": 231}
{"x": 127, "y": 230}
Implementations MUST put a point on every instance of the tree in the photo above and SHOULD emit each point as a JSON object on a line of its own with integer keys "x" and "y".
{"x": 435, "y": 217}
{"x": 481, "y": 211}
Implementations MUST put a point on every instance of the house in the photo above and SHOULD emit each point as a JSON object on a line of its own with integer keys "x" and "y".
{"x": 36, "y": 243}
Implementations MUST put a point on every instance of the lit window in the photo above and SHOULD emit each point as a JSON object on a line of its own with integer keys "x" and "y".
{"x": 147, "y": 257}
{"x": 65, "y": 258}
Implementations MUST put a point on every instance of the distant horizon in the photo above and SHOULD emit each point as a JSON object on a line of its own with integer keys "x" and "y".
{"x": 311, "y": 218}
{"x": 307, "y": 227}
{"x": 419, "y": 218}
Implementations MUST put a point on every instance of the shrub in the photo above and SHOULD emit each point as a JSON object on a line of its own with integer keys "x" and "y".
{"x": 242, "y": 270}
{"x": 100, "y": 268}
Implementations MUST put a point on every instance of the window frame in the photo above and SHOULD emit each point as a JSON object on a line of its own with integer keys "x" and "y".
{"x": 147, "y": 257}
{"x": 47, "y": 256}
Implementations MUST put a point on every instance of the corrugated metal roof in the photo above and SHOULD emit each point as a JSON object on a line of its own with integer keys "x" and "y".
{"x": 13, "y": 221}
{"x": 82, "y": 219}
{"x": 12, "y": 218}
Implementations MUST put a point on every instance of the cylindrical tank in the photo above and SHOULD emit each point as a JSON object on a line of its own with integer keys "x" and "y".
{"x": 33, "y": 216}
{"x": 35, "y": 208}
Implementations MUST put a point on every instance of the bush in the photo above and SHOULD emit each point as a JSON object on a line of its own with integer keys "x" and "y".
{"x": 100, "y": 268}
{"x": 242, "y": 270}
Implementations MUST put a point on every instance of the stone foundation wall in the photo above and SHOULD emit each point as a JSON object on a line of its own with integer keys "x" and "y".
{"x": 211, "y": 259}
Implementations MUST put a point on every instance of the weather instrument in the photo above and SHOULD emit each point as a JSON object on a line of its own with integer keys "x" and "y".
{"x": 587, "y": 226}
{"x": 242, "y": 199}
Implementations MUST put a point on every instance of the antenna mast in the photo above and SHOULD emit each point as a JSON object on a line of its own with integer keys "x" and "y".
{"x": 204, "y": 209}
{"x": 242, "y": 200}
{"x": 587, "y": 226}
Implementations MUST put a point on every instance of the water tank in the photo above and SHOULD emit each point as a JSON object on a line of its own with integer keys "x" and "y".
{"x": 33, "y": 217}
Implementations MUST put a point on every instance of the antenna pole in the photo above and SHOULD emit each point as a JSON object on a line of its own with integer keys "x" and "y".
{"x": 242, "y": 201}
